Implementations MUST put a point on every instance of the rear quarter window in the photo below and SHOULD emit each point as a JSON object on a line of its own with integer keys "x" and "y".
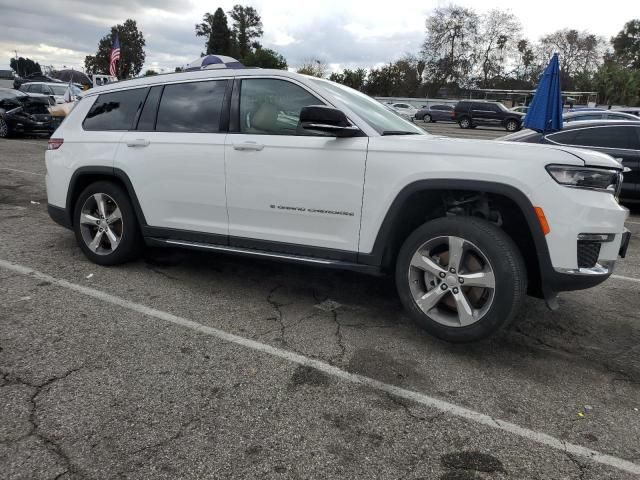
{"x": 114, "y": 110}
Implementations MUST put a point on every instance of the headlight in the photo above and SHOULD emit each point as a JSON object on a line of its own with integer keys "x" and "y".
{"x": 591, "y": 178}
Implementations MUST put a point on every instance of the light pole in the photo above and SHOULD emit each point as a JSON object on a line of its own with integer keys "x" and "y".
{"x": 17, "y": 63}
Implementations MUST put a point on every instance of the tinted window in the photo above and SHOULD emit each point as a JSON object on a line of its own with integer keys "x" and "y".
{"x": 272, "y": 107}
{"x": 115, "y": 111}
{"x": 607, "y": 137}
{"x": 147, "y": 120}
{"x": 34, "y": 88}
{"x": 562, "y": 137}
{"x": 614, "y": 116}
{"x": 191, "y": 107}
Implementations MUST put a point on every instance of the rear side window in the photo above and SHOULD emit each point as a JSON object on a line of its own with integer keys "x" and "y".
{"x": 191, "y": 107}
{"x": 115, "y": 110}
{"x": 606, "y": 137}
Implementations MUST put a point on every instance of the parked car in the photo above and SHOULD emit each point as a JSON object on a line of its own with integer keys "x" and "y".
{"x": 56, "y": 90}
{"x": 630, "y": 110}
{"x": 520, "y": 109}
{"x": 25, "y": 113}
{"x": 472, "y": 113}
{"x": 435, "y": 113}
{"x": 598, "y": 115}
{"x": 620, "y": 139}
{"x": 405, "y": 115}
{"x": 405, "y": 108}
{"x": 33, "y": 77}
{"x": 210, "y": 160}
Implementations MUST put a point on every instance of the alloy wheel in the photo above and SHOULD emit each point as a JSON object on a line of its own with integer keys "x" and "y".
{"x": 512, "y": 126}
{"x": 465, "y": 123}
{"x": 451, "y": 281}
{"x": 101, "y": 224}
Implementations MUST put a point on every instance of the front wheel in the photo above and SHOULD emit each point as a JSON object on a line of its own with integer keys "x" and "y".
{"x": 105, "y": 224}
{"x": 460, "y": 278}
{"x": 511, "y": 126}
{"x": 427, "y": 119}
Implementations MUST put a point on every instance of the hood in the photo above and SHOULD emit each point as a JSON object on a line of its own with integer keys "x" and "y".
{"x": 544, "y": 154}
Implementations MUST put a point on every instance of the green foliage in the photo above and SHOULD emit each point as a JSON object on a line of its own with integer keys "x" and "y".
{"x": 626, "y": 45}
{"x": 617, "y": 85}
{"x": 216, "y": 29}
{"x": 150, "y": 73}
{"x": 246, "y": 30}
{"x": 351, "y": 78}
{"x": 314, "y": 68}
{"x": 24, "y": 66}
{"x": 264, "y": 58}
{"x": 132, "y": 54}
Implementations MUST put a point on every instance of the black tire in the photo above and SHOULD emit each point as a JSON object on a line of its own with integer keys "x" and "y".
{"x": 512, "y": 125}
{"x": 130, "y": 244}
{"x": 505, "y": 261}
{"x": 465, "y": 122}
{"x": 4, "y": 128}
{"x": 427, "y": 118}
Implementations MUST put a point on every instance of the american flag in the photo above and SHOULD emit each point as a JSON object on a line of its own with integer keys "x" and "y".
{"x": 115, "y": 55}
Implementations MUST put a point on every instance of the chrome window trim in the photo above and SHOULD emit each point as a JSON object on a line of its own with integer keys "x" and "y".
{"x": 548, "y": 137}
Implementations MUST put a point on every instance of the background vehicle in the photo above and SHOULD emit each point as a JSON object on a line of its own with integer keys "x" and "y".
{"x": 56, "y": 90}
{"x": 100, "y": 80}
{"x": 435, "y": 113}
{"x": 472, "y": 113}
{"x": 520, "y": 109}
{"x": 619, "y": 139}
{"x": 33, "y": 77}
{"x": 598, "y": 115}
{"x": 408, "y": 111}
{"x": 630, "y": 110}
{"x": 402, "y": 114}
{"x": 270, "y": 163}
{"x": 25, "y": 113}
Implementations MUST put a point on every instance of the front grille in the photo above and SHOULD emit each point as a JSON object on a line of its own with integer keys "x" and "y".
{"x": 588, "y": 253}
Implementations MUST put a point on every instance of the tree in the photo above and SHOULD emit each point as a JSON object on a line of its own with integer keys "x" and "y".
{"x": 264, "y": 58}
{"x": 314, "y": 68}
{"x": 580, "y": 54}
{"x": 215, "y": 28}
{"x": 448, "y": 50}
{"x": 131, "y": 51}
{"x": 247, "y": 28}
{"x": 498, "y": 35}
{"x": 24, "y": 66}
{"x": 150, "y": 73}
{"x": 351, "y": 78}
{"x": 626, "y": 45}
{"x": 617, "y": 84}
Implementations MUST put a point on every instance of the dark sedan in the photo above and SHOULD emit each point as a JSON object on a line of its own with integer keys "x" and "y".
{"x": 33, "y": 77}
{"x": 620, "y": 139}
{"x": 436, "y": 113}
{"x": 25, "y": 113}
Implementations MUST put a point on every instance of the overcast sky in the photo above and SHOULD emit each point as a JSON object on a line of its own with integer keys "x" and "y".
{"x": 343, "y": 33}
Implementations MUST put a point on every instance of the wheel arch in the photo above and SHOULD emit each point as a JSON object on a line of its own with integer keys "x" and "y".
{"x": 87, "y": 175}
{"x": 398, "y": 224}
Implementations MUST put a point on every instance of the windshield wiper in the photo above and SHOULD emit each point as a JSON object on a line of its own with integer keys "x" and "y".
{"x": 399, "y": 132}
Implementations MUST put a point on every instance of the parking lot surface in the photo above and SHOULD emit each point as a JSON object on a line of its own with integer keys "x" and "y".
{"x": 190, "y": 365}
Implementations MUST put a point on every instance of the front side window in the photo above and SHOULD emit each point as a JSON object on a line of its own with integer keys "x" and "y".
{"x": 115, "y": 110}
{"x": 191, "y": 107}
{"x": 272, "y": 107}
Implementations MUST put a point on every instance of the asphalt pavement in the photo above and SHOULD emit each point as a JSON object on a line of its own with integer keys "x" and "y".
{"x": 192, "y": 365}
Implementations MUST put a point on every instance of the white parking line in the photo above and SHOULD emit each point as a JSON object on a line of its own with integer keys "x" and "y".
{"x": 628, "y": 279}
{"x": 21, "y": 171}
{"x": 431, "y": 402}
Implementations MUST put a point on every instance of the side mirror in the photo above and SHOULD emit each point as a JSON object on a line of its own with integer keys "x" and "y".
{"x": 327, "y": 119}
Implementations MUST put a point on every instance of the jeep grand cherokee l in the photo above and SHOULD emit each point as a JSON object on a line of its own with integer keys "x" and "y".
{"x": 278, "y": 165}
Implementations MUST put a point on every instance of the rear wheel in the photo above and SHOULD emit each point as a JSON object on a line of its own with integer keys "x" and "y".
{"x": 465, "y": 122}
{"x": 105, "y": 224}
{"x": 511, "y": 126}
{"x": 461, "y": 278}
{"x": 427, "y": 118}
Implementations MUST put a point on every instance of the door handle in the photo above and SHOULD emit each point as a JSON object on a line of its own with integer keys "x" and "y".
{"x": 138, "y": 142}
{"x": 248, "y": 146}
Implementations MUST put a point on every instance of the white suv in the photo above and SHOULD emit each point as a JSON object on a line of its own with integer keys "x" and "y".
{"x": 284, "y": 166}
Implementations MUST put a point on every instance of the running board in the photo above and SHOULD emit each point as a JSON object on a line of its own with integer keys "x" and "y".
{"x": 322, "y": 262}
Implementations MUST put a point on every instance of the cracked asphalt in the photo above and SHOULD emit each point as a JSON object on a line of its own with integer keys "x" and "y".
{"x": 94, "y": 390}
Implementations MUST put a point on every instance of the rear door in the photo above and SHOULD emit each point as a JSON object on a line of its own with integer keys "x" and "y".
{"x": 484, "y": 114}
{"x": 175, "y": 159}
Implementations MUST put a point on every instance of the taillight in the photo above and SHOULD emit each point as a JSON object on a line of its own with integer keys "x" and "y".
{"x": 54, "y": 143}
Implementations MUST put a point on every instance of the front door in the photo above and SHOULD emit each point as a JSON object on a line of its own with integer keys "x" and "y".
{"x": 288, "y": 187}
{"x": 175, "y": 158}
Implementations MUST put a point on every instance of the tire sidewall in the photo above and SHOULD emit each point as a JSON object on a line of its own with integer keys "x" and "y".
{"x": 3, "y": 120}
{"x": 505, "y": 260}
{"x": 129, "y": 245}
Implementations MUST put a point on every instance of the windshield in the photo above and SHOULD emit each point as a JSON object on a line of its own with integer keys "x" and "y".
{"x": 371, "y": 111}
{"x": 62, "y": 89}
